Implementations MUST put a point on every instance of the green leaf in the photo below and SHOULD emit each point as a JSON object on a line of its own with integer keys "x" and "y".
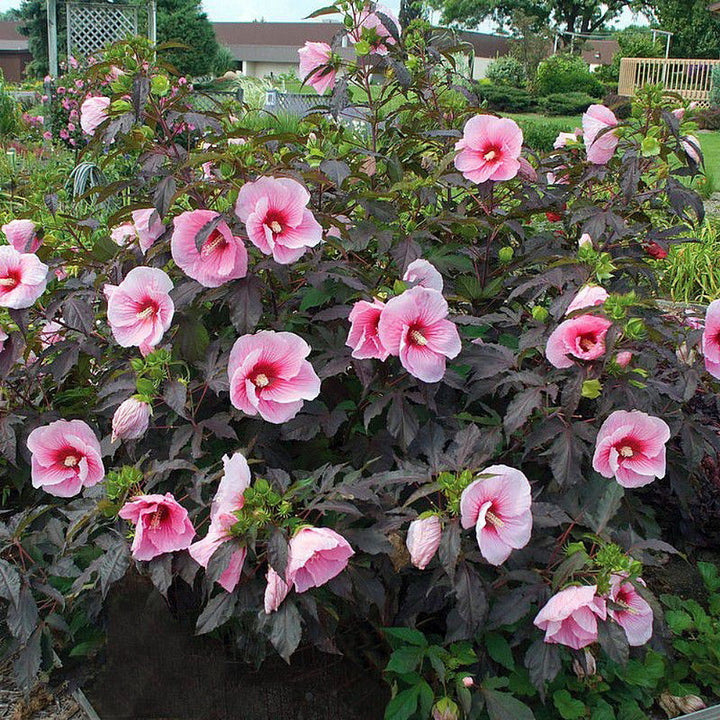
{"x": 567, "y": 706}
{"x": 602, "y": 711}
{"x": 678, "y": 621}
{"x": 313, "y": 297}
{"x": 9, "y": 582}
{"x": 503, "y": 706}
{"x": 650, "y": 147}
{"x": 405, "y": 659}
{"x": 403, "y": 705}
{"x": 499, "y": 650}
{"x": 591, "y": 389}
{"x": 709, "y": 573}
{"x": 407, "y": 635}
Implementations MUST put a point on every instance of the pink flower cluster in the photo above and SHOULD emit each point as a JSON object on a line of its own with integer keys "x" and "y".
{"x": 371, "y": 27}
{"x": 412, "y": 326}
{"x": 571, "y": 616}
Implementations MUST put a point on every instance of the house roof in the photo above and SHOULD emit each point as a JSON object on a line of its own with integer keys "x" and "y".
{"x": 11, "y": 39}
{"x": 599, "y": 52}
{"x": 279, "y": 42}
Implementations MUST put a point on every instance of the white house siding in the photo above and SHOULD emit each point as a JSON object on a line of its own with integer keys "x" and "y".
{"x": 480, "y": 66}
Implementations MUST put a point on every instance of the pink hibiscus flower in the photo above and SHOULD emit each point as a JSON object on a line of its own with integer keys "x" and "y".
{"x": 277, "y": 219}
{"x": 140, "y": 308}
{"x": 371, "y": 27}
{"x": 711, "y": 339}
{"x": 66, "y": 457}
{"x": 270, "y": 376}
{"x": 570, "y": 616}
{"x": 123, "y": 234}
{"x": 221, "y": 258}
{"x": 423, "y": 540}
{"x": 315, "y": 556}
{"x": 93, "y": 112}
{"x": 3, "y": 338}
{"x": 489, "y": 149}
{"x": 51, "y": 333}
{"x": 630, "y": 610}
{"x": 499, "y": 508}
{"x": 600, "y": 145}
{"x": 421, "y": 272}
{"x": 276, "y": 591}
{"x": 414, "y": 327}
{"x": 630, "y": 447}
{"x": 581, "y": 337}
{"x": 148, "y": 227}
{"x": 363, "y": 337}
{"x": 22, "y": 235}
{"x": 691, "y": 145}
{"x": 161, "y": 524}
{"x": 588, "y": 296}
{"x": 565, "y": 138}
{"x": 228, "y": 499}
{"x": 23, "y": 278}
{"x": 315, "y": 66}
{"x": 131, "y": 420}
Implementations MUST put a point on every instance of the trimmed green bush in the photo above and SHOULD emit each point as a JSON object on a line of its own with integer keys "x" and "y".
{"x": 507, "y": 71}
{"x": 566, "y": 73}
{"x": 506, "y": 99}
{"x": 570, "y": 103}
{"x": 540, "y": 133}
{"x": 9, "y": 111}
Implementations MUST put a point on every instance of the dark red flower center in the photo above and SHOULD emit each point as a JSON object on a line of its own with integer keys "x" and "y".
{"x": 158, "y": 517}
{"x": 262, "y": 377}
{"x": 216, "y": 241}
{"x": 587, "y": 342}
{"x": 70, "y": 458}
{"x": 10, "y": 281}
{"x": 148, "y": 308}
{"x": 493, "y": 519}
{"x": 491, "y": 153}
{"x": 628, "y": 448}
{"x": 276, "y": 221}
{"x": 416, "y": 336}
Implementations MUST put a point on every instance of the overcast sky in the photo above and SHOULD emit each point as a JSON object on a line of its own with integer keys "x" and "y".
{"x": 275, "y": 10}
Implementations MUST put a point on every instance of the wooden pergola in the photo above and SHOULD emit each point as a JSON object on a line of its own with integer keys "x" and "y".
{"x": 93, "y": 25}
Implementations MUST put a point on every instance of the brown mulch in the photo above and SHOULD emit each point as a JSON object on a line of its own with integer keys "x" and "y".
{"x": 41, "y": 703}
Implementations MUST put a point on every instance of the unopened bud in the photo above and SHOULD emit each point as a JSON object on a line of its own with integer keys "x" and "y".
{"x": 467, "y": 681}
{"x": 445, "y": 709}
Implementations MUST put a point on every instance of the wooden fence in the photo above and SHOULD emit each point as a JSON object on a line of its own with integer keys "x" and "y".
{"x": 690, "y": 78}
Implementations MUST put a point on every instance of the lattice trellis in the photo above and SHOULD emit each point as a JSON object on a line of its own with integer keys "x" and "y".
{"x": 92, "y": 26}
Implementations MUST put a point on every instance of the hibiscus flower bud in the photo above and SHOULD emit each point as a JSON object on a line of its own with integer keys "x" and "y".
{"x": 585, "y": 666}
{"x": 423, "y": 540}
{"x": 468, "y": 681}
{"x": 131, "y": 420}
{"x": 445, "y": 709}
{"x": 675, "y": 705}
{"x": 623, "y": 358}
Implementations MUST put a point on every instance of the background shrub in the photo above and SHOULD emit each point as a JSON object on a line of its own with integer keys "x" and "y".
{"x": 9, "y": 111}
{"x": 572, "y": 103}
{"x": 506, "y": 99}
{"x": 507, "y": 71}
{"x": 715, "y": 86}
{"x": 566, "y": 73}
{"x": 619, "y": 104}
{"x": 540, "y": 133}
{"x": 708, "y": 118}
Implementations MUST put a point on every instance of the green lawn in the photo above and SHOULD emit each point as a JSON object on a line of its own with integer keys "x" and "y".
{"x": 710, "y": 142}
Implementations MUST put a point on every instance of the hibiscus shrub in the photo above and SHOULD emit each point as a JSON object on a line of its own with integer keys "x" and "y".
{"x": 389, "y": 372}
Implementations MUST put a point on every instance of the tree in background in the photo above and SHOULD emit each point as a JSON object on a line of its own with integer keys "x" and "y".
{"x": 184, "y": 21}
{"x": 583, "y": 16}
{"x": 530, "y": 40}
{"x": 410, "y": 10}
{"x": 11, "y": 15}
{"x": 696, "y": 30}
{"x": 177, "y": 20}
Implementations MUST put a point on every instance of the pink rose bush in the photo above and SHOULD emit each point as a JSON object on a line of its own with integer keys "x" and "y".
{"x": 161, "y": 524}
{"x": 579, "y": 338}
{"x": 277, "y": 219}
{"x": 66, "y": 457}
{"x": 221, "y": 256}
{"x": 22, "y": 235}
{"x": 498, "y": 507}
{"x": 23, "y": 278}
{"x": 570, "y": 616}
{"x": 489, "y": 149}
{"x": 140, "y": 309}
{"x": 631, "y": 448}
{"x": 316, "y": 66}
{"x": 269, "y": 375}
